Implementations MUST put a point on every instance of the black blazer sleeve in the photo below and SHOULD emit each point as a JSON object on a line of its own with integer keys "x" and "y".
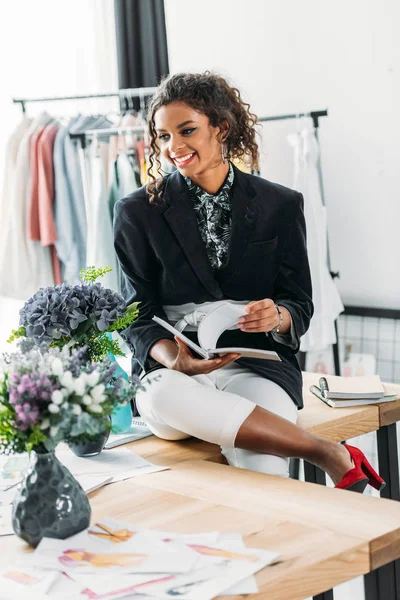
{"x": 139, "y": 280}
{"x": 293, "y": 288}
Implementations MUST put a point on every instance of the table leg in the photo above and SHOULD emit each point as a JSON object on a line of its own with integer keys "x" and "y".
{"x": 388, "y": 460}
{"x": 384, "y": 583}
{"x": 314, "y": 474}
{"x": 294, "y": 468}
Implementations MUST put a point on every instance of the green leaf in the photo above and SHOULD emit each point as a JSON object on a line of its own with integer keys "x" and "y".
{"x": 15, "y": 334}
{"x": 91, "y": 273}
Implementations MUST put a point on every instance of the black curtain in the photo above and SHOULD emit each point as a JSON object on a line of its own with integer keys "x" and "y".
{"x": 141, "y": 42}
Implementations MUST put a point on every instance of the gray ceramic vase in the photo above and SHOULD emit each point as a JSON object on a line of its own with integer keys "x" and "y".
{"x": 49, "y": 501}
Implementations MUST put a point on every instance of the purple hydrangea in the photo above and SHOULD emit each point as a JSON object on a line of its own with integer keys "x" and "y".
{"x": 58, "y": 311}
{"x": 29, "y": 394}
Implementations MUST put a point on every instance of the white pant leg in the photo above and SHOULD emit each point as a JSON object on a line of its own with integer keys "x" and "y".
{"x": 268, "y": 395}
{"x": 176, "y": 406}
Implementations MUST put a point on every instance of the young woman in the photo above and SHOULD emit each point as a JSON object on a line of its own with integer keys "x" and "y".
{"x": 206, "y": 233}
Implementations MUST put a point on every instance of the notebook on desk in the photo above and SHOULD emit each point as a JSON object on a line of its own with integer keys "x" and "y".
{"x": 340, "y": 392}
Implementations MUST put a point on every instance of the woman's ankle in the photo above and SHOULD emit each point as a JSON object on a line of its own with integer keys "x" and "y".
{"x": 335, "y": 460}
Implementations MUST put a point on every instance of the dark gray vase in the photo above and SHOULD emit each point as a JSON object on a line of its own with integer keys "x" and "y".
{"x": 49, "y": 501}
{"x": 89, "y": 448}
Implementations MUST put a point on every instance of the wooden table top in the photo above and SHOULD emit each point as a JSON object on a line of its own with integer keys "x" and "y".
{"x": 324, "y": 536}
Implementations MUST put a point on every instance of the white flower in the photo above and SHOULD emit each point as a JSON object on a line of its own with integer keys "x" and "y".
{"x": 76, "y": 409}
{"x": 80, "y": 384}
{"x": 87, "y": 400}
{"x": 57, "y": 397}
{"x": 97, "y": 393}
{"x": 92, "y": 378}
{"x": 53, "y": 408}
{"x": 45, "y": 424}
{"x": 54, "y": 430}
{"x": 65, "y": 405}
{"x": 95, "y": 408}
{"x": 67, "y": 381}
{"x": 57, "y": 367}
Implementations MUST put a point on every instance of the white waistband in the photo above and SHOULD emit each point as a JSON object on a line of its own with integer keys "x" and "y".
{"x": 190, "y": 315}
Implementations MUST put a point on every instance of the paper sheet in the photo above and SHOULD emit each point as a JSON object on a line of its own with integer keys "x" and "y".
{"x": 86, "y": 555}
{"x": 5, "y": 520}
{"x": 118, "y": 463}
{"x": 148, "y": 564}
{"x": 11, "y": 469}
{"x": 7, "y": 497}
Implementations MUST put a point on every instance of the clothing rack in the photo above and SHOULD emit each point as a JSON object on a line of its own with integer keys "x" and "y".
{"x": 315, "y": 116}
{"x": 123, "y": 95}
{"x": 82, "y": 136}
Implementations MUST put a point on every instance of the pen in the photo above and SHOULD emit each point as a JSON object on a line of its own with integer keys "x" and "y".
{"x": 323, "y": 385}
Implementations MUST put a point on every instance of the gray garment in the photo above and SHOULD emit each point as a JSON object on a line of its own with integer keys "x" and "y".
{"x": 78, "y": 211}
{"x": 67, "y": 244}
{"x": 123, "y": 182}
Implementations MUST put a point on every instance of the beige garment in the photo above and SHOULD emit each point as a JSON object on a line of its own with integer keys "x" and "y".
{"x": 25, "y": 265}
{"x": 9, "y": 175}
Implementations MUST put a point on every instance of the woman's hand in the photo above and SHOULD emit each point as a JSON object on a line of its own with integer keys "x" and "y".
{"x": 262, "y": 317}
{"x": 186, "y": 363}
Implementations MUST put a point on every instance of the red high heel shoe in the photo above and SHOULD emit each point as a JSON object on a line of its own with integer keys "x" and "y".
{"x": 357, "y": 479}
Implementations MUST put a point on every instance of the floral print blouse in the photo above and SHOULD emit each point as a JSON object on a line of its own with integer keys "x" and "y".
{"x": 214, "y": 218}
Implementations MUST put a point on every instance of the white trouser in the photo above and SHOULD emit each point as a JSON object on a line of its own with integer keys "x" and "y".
{"x": 212, "y": 408}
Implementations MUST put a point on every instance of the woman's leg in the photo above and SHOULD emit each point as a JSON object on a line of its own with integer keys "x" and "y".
{"x": 270, "y": 396}
{"x": 176, "y": 406}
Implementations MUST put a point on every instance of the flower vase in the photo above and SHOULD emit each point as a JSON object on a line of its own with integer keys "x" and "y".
{"x": 90, "y": 447}
{"x": 49, "y": 501}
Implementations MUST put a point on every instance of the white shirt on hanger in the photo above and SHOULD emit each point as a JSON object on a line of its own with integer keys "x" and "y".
{"x": 326, "y": 298}
{"x": 100, "y": 243}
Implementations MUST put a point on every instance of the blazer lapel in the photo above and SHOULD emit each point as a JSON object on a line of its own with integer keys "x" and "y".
{"x": 245, "y": 212}
{"x": 181, "y": 218}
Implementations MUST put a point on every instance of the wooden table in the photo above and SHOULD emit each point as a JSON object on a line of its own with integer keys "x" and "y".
{"x": 324, "y": 536}
{"x": 345, "y": 423}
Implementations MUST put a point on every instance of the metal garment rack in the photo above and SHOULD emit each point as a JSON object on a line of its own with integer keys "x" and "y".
{"x": 123, "y": 94}
{"x": 315, "y": 116}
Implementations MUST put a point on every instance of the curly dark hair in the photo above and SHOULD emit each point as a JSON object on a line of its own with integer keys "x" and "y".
{"x": 211, "y": 95}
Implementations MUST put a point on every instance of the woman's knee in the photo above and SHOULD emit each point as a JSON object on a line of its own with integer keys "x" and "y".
{"x": 162, "y": 393}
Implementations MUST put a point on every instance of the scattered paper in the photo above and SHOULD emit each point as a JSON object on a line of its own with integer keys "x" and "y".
{"x": 5, "y": 520}
{"x": 119, "y": 464}
{"x": 89, "y": 483}
{"x": 113, "y": 559}
{"x": 11, "y": 468}
{"x": 85, "y": 555}
{"x": 7, "y": 497}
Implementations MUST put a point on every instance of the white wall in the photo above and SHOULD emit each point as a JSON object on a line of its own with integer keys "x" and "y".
{"x": 296, "y": 56}
{"x": 52, "y": 48}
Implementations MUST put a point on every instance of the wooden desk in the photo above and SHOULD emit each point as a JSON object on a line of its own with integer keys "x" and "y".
{"x": 324, "y": 536}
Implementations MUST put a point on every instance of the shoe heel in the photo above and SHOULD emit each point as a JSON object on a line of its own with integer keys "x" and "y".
{"x": 374, "y": 479}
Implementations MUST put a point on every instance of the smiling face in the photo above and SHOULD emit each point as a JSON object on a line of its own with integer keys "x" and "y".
{"x": 187, "y": 140}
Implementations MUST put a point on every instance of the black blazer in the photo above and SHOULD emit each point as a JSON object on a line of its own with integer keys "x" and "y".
{"x": 164, "y": 261}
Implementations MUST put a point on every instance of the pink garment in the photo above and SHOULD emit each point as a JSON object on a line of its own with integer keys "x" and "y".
{"x": 47, "y": 226}
{"x": 33, "y": 208}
